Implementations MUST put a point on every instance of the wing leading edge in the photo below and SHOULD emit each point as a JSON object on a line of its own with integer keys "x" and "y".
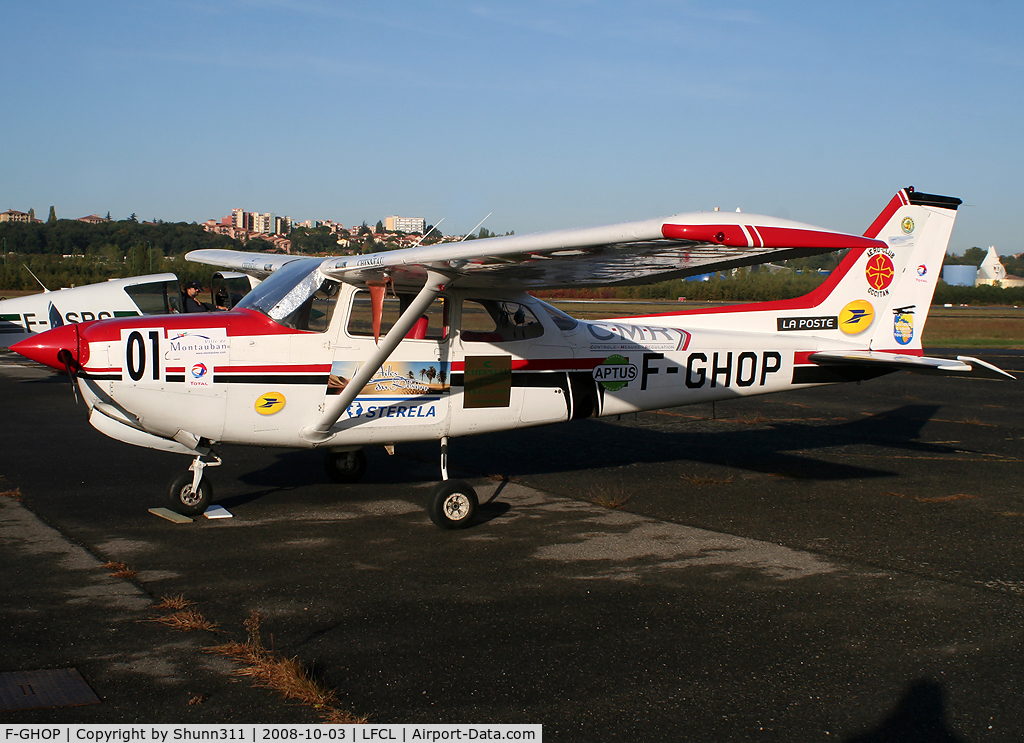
{"x": 628, "y": 253}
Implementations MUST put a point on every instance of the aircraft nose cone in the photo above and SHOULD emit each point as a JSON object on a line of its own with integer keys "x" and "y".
{"x": 47, "y": 348}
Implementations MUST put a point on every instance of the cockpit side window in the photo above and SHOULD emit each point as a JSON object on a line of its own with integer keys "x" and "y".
{"x": 432, "y": 325}
{"x": 495, "y": 321}
{"x": 156, "y": 298}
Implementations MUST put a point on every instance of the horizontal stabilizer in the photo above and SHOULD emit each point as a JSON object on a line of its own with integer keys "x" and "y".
{"x": 965, "y": 366}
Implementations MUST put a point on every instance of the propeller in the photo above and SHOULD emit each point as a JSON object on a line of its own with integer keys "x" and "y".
{"x": 71, "y": 367}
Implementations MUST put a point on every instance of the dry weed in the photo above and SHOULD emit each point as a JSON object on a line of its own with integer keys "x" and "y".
{"x": 706, "y": 480}
{"x": 13, "y": 494}
{"x": 284, "y": 675}
{"x": 173, "y": 603}
{"x": 608, "y": 498}
{"x": 119, "y": 570}
{"x": 187, "y": 620}
{"x": 751, "y": 420}
{"x": 933, "y": 498}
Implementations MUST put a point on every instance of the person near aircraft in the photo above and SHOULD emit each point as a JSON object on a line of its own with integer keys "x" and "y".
{"x": 191, "y": 304}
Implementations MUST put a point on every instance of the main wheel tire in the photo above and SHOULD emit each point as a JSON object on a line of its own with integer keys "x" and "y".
{"x": 186, "y": 501}
{"x": 345, "y": 466}
{"x": 453, "y": 505}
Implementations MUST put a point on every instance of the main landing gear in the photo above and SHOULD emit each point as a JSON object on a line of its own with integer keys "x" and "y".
{"x": 452, "y": 504}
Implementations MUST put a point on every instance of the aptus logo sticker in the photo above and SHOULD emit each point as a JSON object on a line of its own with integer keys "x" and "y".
{"x": 903, "y": 325}
{"x": 907, "y": 225}
{"x": 269, "y": 403}
{"x": 615, "y": 372}
{"x": 856, "y": 317}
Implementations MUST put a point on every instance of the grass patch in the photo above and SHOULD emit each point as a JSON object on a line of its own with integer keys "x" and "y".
{"x": 187, "y": 620}
{"x": 706, "y": 480}
{"x": 173, "y": 603}
{"x": 933, "y": 498}
{"x": 119, "y": 570}
{"x": 964, "y": 331}
{"x": 607, "y": 497}
{"x": 13, "y": 494}
{"x": 284, "y": 675}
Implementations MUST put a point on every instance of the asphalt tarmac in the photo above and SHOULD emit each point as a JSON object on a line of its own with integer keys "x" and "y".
{"x": 834, "y": 564}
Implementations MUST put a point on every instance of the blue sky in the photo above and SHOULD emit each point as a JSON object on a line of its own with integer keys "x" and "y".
{"x": 551, "y": 114}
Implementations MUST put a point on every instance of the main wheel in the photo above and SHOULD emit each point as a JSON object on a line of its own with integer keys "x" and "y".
{"x": 345, "y": 466}
{"x": 186, "y": 501}
{"x": 453, "y": 505}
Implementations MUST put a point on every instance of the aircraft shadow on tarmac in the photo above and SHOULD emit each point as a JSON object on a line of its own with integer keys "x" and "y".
{"x": 779, "y": 448}
{"x": 920, "y": 715}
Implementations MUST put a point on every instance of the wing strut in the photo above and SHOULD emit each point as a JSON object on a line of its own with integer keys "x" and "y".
{"x": 336, "y": 406}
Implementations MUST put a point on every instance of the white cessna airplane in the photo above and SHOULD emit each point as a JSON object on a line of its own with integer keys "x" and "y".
{"x": 156, "y": 294}
{"x": 429, "y": 343}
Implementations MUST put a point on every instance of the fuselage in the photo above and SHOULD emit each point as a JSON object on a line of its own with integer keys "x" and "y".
{"x": 477, "y": 361}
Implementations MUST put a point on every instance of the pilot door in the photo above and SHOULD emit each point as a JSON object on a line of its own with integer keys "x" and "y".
{"x": 512, "y": 366}
{"x": 407, "y": 399}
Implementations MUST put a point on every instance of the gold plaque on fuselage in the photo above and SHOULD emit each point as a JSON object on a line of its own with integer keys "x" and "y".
{"x": 488, "y": 382}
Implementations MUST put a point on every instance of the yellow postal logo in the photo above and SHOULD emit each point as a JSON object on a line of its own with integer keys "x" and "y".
{"x": 856, "y": 317}
{"x": 269, "y": 403}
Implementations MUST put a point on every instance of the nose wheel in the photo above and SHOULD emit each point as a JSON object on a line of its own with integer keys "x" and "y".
{"x": 191, "y": 493}
{"x": 187, "y": 499}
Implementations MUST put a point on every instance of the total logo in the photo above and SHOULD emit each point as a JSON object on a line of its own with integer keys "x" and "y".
{"x": 922, "y": 274}
{"x": 615, "y": 372}
{"x": 856, "y": 317}
{"x": 198, "y": 371}
{"x": 269, "y": 403}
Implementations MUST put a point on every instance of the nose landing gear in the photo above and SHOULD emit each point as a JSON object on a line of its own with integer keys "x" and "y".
{"x": 190, "y": 493}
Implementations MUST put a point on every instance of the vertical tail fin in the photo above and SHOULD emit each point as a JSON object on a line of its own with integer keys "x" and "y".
{"x": 882, "y": 295}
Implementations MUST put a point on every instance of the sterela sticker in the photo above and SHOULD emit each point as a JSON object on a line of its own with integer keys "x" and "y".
{"x": 615, "y": 372}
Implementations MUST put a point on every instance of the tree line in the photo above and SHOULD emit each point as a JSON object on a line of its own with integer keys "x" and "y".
{"x": 115, "y": 249}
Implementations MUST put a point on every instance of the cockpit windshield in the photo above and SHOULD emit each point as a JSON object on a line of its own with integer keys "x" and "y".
{"x": 296, "y": 296}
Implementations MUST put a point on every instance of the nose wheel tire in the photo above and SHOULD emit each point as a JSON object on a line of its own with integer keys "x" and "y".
{"x": 187, "y": 501}
{"x": 345, "y": 466}
{"x": 453, "y": 505}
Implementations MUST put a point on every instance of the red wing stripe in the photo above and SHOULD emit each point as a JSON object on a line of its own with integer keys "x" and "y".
{"x": 746, "y": 231}
{"x": 732, "y": 235}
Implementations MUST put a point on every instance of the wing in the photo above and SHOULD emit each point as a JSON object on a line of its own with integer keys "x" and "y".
{"x": 259, "y": 265}
{"x": 963, "y": 366}
{"x": 629, "y": 253}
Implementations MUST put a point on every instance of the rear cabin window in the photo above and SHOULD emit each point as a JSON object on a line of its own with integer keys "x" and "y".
{"x": 432, "y": 325}
{"x": 493, "y": 321}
